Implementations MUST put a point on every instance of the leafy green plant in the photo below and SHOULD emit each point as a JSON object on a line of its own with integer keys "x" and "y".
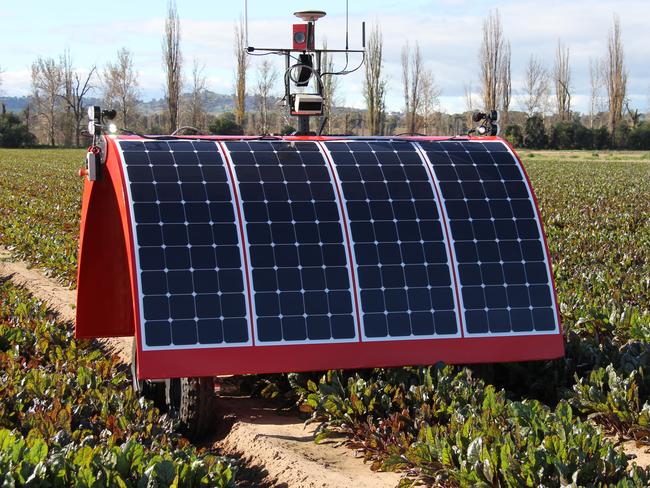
{"x": 613, "y": 399}
{"x": 69, "y": 417}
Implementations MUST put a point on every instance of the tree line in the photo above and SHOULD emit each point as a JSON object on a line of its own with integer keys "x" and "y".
{"x": 545, "y": 116}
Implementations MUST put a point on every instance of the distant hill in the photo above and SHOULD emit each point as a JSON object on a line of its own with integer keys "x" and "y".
{"x": 216, "y": 103}
{"x": 14, "y": 104}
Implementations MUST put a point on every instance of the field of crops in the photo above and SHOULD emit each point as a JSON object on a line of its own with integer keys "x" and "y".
{"x": 543, "y": 424}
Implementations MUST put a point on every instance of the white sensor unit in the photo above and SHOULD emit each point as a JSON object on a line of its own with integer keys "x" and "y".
{"x": 307, "y": 104}
{"x": 92, "y": 164}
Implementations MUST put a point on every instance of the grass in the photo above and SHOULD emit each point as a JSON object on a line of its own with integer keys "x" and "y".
{"x": 501, "y": 425}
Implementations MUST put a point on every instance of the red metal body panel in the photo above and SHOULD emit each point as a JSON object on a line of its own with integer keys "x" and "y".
{"x": 108, "y": 302}
{"x": 104, "y": 285}
{"x": 316, "y": 357}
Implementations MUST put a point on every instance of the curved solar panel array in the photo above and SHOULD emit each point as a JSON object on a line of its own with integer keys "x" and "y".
{"x": 278, "y": 242}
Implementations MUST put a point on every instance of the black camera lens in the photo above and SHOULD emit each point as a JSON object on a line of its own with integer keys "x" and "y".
{"x": 299, "y": 38}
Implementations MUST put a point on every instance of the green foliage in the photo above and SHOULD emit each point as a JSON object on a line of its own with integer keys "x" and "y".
{"x": 572, "y": 135}
{"x": 68, "y": 415}
{"x": 535, "y": 133}
{"x": 601, "y": 138}
{"x": 13, "y": 133}
{"x": 514, "y": 135}
{"x": 442, "y": 425}
{"x": 639, "y": 137}
{"x": 225, "y": 125}
{"x": 612, "y": 398}
{"x": 287, "y": 130}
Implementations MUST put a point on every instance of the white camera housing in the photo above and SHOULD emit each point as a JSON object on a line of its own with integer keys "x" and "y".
{"x": 307, "y": 104}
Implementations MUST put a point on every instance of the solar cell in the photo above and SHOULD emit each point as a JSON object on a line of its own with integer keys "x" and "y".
{"x": 301, "y": 282}
{"x": 402, "y": 260}
{"x": 187, "y": 245}
{"x": 503, "y": 270}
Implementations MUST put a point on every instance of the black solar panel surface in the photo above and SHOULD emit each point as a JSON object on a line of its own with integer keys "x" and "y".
{"x": 187, "y": 243}
{"x": 504, "y": 276}
{"x": 399, "y": 246}
{"x": 299, "y": 267}
{"x": 400, "y": 202}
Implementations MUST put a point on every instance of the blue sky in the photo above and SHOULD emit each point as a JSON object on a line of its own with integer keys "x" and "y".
{"x": 448, "y": 31}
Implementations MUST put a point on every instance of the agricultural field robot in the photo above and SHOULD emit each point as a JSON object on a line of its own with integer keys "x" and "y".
{"x": 235, "y": 255}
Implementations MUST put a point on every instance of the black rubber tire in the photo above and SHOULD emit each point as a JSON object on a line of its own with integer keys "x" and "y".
{"x": 194, "y": 401}
{"x": 151, "y": 390}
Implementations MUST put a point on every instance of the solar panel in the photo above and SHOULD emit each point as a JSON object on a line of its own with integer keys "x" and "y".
{"x": 187, "y": 245}
{"x": 500, "y": 257}
{"x": 299, "y": 269}
{"x": 238, "y": 256}
{"x": 401, "y": 256}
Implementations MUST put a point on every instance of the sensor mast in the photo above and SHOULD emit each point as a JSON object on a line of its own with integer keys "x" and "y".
{"x": 303, "y": 68}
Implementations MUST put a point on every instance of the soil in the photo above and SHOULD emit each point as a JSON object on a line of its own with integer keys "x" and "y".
{"x": 283, "y": 449}
{"x": 275, "y": 450}
{"x": 59, "y": 299}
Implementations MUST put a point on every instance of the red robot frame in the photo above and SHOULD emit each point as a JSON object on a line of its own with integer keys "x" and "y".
{"x": 108, "y": 305}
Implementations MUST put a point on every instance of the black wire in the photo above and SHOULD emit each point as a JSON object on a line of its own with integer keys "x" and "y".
{"x": 419, "y": 134}
{"x": 343, "y": 72}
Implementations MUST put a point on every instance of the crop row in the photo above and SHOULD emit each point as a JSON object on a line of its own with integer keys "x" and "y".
{"x": 69, "y": 417}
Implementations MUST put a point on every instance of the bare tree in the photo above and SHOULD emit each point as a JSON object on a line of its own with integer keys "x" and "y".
{"x": 615, "y": 76}
{"x": 536, "y": 87}
{"x": 241, "y": 67}
{"x": 196, "y": 108}
{"x": 66, "y": 118}
{"x": 633, "y": 114}
{"x": 470, "y": 103}
{"x": 121, "y": 87}
{"x": 267, "y": 76}
{"x": 595, "y": 78}
{"x": 505, "y": 84}
{"x": 374, "y": 88}
{"x": 172, "y": 64}
{"x": 430, "y": 101}
{"x": 412, "y": 80}
{"x": 76, "y": 87}
{"x": 562, "y": 80}
{"x": 490, "y": 56}
{"x": 330, "y": 89}
{"x": 47, "y": 83}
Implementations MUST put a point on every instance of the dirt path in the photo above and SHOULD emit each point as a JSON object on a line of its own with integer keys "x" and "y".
{"x": 60, "y": 299}
{"x": 278, "y": 450}
{"x": 287, "y": 452}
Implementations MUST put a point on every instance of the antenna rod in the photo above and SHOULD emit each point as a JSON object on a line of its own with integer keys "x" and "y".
{"x": 347, "y": 10}
{"x": 363, "y": 35}
{"x": 246, "y": 20}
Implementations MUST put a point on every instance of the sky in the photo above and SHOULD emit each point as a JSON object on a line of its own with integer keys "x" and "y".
{"x": 448, "y": 31}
